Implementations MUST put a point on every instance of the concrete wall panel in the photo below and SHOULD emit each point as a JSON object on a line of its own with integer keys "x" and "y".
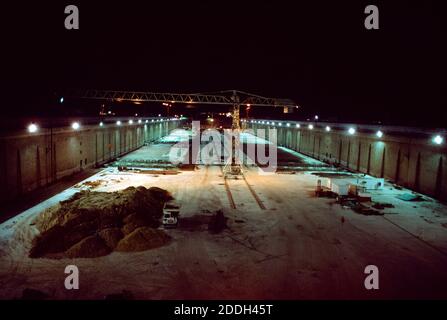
{"x": 30, "y": 161}
{"x": 405, "y": 158}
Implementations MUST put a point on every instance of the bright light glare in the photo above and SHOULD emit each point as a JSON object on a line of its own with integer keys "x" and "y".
{"x": 101, "y": 124}
{"x": 351, "y": 130}
{"x": 75, "y": 125}
{"x": 298, "y": 125}
{"x": 438, "y": 139}
{"x": 32, "y": 128}
{"x": 311, "y": 126}
{"x": 118, "y": 123}
{"x": 379, "y": 134}
{"x": 328, "y": 128}
{"x": 139, "y": 121}
{"x": 130, "y": 121}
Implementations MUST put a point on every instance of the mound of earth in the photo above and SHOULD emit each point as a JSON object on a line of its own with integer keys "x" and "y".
{"x": 143, "y": 238}
{"x": 92, "y": 224}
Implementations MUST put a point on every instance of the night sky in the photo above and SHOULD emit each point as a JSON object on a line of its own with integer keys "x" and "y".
{"x": 317, "y": 53}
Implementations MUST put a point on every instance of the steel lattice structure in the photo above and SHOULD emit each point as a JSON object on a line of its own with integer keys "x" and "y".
{"x": 230, "y": 97}
{"x": 233, "y": 98}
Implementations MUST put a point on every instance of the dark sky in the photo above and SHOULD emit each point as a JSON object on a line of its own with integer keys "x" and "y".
{"x": 317, "y": 53}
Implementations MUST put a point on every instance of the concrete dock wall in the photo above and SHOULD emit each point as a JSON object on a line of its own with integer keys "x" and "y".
{"x": 406, "y": 156}
{"x": 32, "y": 160}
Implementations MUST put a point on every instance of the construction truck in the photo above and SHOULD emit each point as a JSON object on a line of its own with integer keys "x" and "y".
{"x": 171, "y": 211}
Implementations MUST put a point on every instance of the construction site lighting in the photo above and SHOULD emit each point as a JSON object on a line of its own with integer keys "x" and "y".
{"x": 351, "y": 131}
{"x": 75, "y": 125}
{"x": 32, "y": 128}
{"x": 379, "y": 134}
{"x": 438, "y": 140}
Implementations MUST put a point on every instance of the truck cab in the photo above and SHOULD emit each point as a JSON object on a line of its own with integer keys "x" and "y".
{"x": 171, "y": 211}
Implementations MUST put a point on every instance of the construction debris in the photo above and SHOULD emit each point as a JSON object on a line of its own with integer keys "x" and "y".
{"x": 148, "y": 171}
{"x": 354, "y": 204}
{"x": 90, "y": 184}
{"x": 410, "y": 197}
{"x": 381, "y": 206}
{"x": 365, "y": 210}
{"x": 92, "y": 224}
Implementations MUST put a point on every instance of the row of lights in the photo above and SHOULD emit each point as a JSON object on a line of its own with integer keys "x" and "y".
{"x": 33, "y": 128}
{"x": 438, "y": 139}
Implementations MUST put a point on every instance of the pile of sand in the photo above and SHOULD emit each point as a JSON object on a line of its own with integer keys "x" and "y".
{"x": 92, "y": 224}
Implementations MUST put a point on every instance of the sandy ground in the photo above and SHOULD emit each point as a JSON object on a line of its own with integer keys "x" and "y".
{"x": 282, "y": 243}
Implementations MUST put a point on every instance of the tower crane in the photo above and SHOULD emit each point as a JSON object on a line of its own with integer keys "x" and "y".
{"x": 233, "y": 98}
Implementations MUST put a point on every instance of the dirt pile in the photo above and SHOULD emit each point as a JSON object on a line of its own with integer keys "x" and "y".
{"x": 143, "y": 238}
{"x": 92, "y": 224}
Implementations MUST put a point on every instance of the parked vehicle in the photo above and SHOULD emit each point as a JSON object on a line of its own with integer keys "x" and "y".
{"x": 171, "y": 211}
